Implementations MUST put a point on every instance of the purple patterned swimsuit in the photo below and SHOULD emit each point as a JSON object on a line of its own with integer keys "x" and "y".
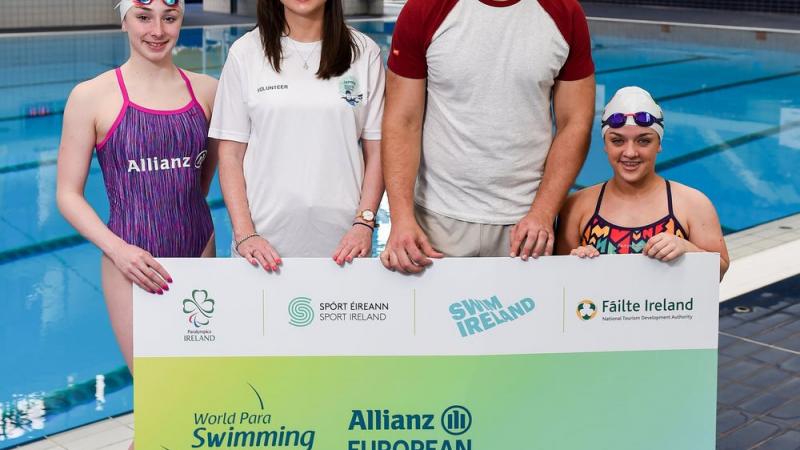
{"x": 151, "y": 162}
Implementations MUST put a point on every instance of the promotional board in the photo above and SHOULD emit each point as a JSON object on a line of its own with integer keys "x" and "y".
{"x": 616, "y": 353}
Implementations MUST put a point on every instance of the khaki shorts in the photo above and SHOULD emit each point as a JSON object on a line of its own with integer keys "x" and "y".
{"x": 458, "y": 238}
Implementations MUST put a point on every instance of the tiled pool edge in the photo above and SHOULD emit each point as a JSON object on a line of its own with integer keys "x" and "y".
{"x": 761, "y": 255}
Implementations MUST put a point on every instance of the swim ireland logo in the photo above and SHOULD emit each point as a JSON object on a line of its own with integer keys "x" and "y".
{"x": 200, "y": 308}
{"x": 301, "y": 312}
{"x": 474, "y": 316}
{"x": 587, "y": 310}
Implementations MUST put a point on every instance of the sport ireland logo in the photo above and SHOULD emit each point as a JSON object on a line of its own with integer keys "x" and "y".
{"x": 301, "y": 312}
{"x": 200, "y": 308}
{"x": 586, "y": 310}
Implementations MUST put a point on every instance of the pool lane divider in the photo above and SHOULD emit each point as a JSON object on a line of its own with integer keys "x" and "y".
{"x": 653, "y": 64}
{"x": 28, "y": 165}
{"x": 62, "y": 243}
{"x": 661, "y": 99}
{"x": 691, "y": 156}
{"x": 724, "y": 146}
{"x": 721, "y": 87}
{"x": 63, "y": 400}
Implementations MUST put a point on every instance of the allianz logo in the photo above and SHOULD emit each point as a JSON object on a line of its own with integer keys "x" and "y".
{"x": 156, "y": 164}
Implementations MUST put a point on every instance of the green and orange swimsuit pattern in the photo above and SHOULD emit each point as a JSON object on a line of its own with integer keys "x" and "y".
{"x": 611, "y": 239}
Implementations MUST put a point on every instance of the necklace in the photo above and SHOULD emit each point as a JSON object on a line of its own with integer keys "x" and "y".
{"x": 297, "y": 50}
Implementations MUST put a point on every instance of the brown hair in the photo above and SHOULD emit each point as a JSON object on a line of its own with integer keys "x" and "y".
{"x": 339, "y": 48}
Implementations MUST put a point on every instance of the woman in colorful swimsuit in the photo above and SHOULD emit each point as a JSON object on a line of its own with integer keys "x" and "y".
{"x": 637, "y": 211}
{"x": 298, "y": 114}
{"x": 148, "y": 122}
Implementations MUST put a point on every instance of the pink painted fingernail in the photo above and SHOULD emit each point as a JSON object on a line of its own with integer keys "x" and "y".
{"x": 169, "y": 280}
{"x": 165, "y": 287}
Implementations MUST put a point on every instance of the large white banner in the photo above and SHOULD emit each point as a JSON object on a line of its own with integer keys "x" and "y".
{"x": 469, "y": 306}
{"x": 486, "y": 354}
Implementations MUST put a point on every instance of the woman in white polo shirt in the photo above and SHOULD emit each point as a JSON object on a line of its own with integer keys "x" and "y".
{"x": 298, "y": 113}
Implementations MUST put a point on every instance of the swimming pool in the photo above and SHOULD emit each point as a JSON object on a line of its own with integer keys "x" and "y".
{"x": 733, "y": 131}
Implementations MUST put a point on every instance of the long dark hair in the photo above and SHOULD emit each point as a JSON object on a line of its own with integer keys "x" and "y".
{"x": 339, "y": 48}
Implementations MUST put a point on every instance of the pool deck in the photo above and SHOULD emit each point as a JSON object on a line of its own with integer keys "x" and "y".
{"x": 697, "y": 16}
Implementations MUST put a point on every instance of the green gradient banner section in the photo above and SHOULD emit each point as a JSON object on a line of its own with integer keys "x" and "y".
{"x": 617, "y": 400}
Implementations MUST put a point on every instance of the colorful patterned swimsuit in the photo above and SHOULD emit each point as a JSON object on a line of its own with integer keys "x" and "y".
{"x": 151, "y": 162}
{"x": 608, "y": 238}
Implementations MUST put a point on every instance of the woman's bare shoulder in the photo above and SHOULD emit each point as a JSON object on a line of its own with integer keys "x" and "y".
{"x": 579, "y": 206}
{"x": 106, "y": 81}
{"x": 687, "y": 197}
{"x": 205, "y": 86}
{"x": 93, "y": 94}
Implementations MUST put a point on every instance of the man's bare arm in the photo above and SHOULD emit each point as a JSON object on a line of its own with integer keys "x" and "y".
{"x": 407, "y": 249}
{"x": 573, "y": 103}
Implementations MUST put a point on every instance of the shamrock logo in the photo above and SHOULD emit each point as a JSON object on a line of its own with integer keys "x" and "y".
{"x": 586, "y": 310}
{"x": 199, "y": 307}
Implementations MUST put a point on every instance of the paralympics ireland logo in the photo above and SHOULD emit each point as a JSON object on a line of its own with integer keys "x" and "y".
{"x": 301, "y": 312}
{"x": 200, "y": 308}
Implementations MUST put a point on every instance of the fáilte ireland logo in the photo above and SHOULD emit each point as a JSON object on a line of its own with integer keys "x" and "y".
{"x": 349, "y": 89}
{"x": 199, "y": 308}
{"x": 301, "y": 312}
{"x": 586, "y": 310}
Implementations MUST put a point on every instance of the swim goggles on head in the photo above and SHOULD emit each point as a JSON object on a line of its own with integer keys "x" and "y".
{"x": 150, "y": 2}
{"x": 642, "y": 118}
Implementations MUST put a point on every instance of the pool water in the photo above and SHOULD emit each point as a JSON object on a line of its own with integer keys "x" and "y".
{"x": 733, "y": 131}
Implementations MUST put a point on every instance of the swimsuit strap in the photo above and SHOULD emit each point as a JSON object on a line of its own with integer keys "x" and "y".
{"x": 122, "y": 88}
{"x": 669, "y": 199}
{"x": 188, "y": 85}
{"x": 600, "y": 199}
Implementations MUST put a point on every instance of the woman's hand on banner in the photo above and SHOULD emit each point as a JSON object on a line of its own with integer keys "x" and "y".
{"x": 356, "y": 243}
{"x": 139, "y": 267}
{"x": 585, "y": 251}
{"x": 666, "y": 247}
{"x": 259, "y": 251}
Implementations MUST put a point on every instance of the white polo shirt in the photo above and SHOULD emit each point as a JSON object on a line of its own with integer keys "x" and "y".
{"x": 490, "y": 67}
{"x": 304, "y": 166}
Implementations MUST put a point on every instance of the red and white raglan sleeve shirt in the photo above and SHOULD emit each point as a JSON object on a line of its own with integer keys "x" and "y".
{"x": 490, "y": 68}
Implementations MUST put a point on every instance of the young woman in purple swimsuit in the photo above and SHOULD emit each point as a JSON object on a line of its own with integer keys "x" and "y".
{"x": 148, "y": 122}
{"x": 637, "y": 211}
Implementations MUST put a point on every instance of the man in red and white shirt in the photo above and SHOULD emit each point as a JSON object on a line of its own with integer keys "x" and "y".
{"x": 471, "y": 162}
